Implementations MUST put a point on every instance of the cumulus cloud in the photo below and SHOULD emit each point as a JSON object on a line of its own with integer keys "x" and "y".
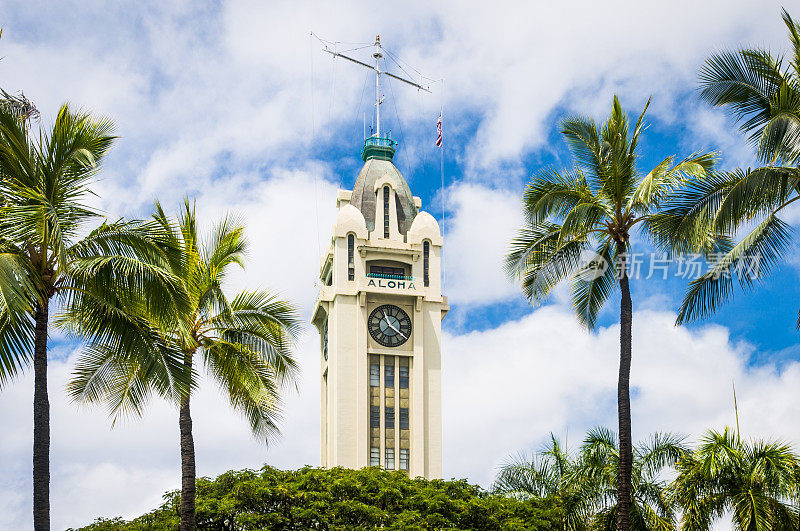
{"x": 482, "y": 223}
{"x": 506, "y": 388}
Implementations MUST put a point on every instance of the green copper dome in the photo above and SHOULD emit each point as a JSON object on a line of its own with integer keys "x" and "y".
{"x": 364, "y": 199}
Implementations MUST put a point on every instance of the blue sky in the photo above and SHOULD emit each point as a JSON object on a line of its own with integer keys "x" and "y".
{"x": 217, "y": 101}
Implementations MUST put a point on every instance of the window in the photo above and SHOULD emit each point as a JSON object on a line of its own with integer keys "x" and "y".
{"x": 325, "y": 341}
{"x": 404, "y": 458}
{"x": 426, "y": 260}
{"x": 389, "y": 418}
{"x": 374, "y": 457}
{"x": 351, "y": 266}
{"x": 385, "y": 211}
{"x": 389, "y": 459}
{"x": 375, "y": 416}
{"x": 388, "y": 371}
{"x": 404, "y": 375}
{"x": 374, "y": 375}
{"x": 386, "y": 270}
{"x": 403, "y": 418}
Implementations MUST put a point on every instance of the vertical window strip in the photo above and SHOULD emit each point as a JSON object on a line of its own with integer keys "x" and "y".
{"x": 388, "y": 371}
{"x": 375, "y": 416}
{"x": 351, "y": 266}
{"x": 389, "y": 418}
{"x": 403, "y": 413}
{"x": 374, "y": 457}
{"x": 426, "y": 258}
{"x": 404, "y": 418}
{"x": 374, "y": 374}
{"x": 403, "y": 376}
{"x": 404, "y": 458}
{"x": 389, "y": 459}
{"x": 325, "y": 340}
{"x": 385, "y": 211}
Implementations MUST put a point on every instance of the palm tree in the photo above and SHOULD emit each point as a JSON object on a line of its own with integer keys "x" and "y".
{"x": 244, "y": 343}
{"x": 544, "y": 475}
{"x": 754, "y": 481}
{"x": 48, "y": 262}
{"x": 651, "y": 508}
{"x": 597, "y": 204}
{"x": 586, "y": 483}
{"x": 762, "y": 93}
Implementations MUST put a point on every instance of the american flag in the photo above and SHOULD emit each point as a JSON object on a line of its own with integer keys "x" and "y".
{"x": 439, "y": 131}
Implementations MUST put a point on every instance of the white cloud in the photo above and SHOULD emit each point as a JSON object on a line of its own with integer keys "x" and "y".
{"x": 505, "y": 389}
{"x": 482, "y": 224}
{"x": 191, "y": 89}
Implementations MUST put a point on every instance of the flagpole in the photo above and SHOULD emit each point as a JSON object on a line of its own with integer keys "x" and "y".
{"x": 441, "y": 171}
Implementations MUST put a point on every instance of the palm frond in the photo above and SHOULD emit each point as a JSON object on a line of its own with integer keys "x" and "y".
{"x": 742, "y": 81}
{"x": 541, "y": 259}
{"x": 754, "y": 193}
{"x": 593, "y": 283}
{"x": 794, "y": 38}
{"x": 666, "y": 178}
{"x": 747, "y": 261}
{"x": 251, "y": 383}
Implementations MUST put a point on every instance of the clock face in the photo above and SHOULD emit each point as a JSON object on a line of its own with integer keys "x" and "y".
{"x": 389, "y": 325}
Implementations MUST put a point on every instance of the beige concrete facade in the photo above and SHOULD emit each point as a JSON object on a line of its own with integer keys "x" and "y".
{"x": 410, "y": 408}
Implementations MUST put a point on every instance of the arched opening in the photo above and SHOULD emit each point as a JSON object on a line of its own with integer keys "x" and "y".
{"x": 351, "y": 251}
{"x": 426, "y": 262}
{"x": 385, "y": 211}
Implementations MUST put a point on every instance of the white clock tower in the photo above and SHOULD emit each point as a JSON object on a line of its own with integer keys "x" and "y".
{"x": 379, "y": 315}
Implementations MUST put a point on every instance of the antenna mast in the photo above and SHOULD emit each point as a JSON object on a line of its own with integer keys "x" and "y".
{"x": 377, "y": 54}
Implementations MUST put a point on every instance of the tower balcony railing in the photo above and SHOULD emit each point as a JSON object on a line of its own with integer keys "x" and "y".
{"x": 390, "y": 277}
{"x": 380, "y": 147}
{"x": 381, "y": 141}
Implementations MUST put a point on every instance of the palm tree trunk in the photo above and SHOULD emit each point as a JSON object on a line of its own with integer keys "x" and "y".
{"x": 624, "y": 398}
{"x": 41, "y": 423}
{"x": 188, "y": 472}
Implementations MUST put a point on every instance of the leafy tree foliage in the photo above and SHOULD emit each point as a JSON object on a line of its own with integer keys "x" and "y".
{"x": 370, "y": 498}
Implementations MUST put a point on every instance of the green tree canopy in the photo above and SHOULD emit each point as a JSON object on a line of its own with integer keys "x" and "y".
{"x": 342, "y": 499}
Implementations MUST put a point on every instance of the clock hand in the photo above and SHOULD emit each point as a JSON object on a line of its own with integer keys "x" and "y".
{"x": 395, "y": 329}
{"x": 389, "y": 324}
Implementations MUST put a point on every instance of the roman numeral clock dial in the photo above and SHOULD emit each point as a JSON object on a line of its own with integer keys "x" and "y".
{"x": 389, "y": 325}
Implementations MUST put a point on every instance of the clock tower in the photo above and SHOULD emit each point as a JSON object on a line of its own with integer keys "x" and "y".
{"x": 379, "y": 315}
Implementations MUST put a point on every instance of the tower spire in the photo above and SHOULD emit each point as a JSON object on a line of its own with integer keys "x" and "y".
{"x": 378, "y": 55}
